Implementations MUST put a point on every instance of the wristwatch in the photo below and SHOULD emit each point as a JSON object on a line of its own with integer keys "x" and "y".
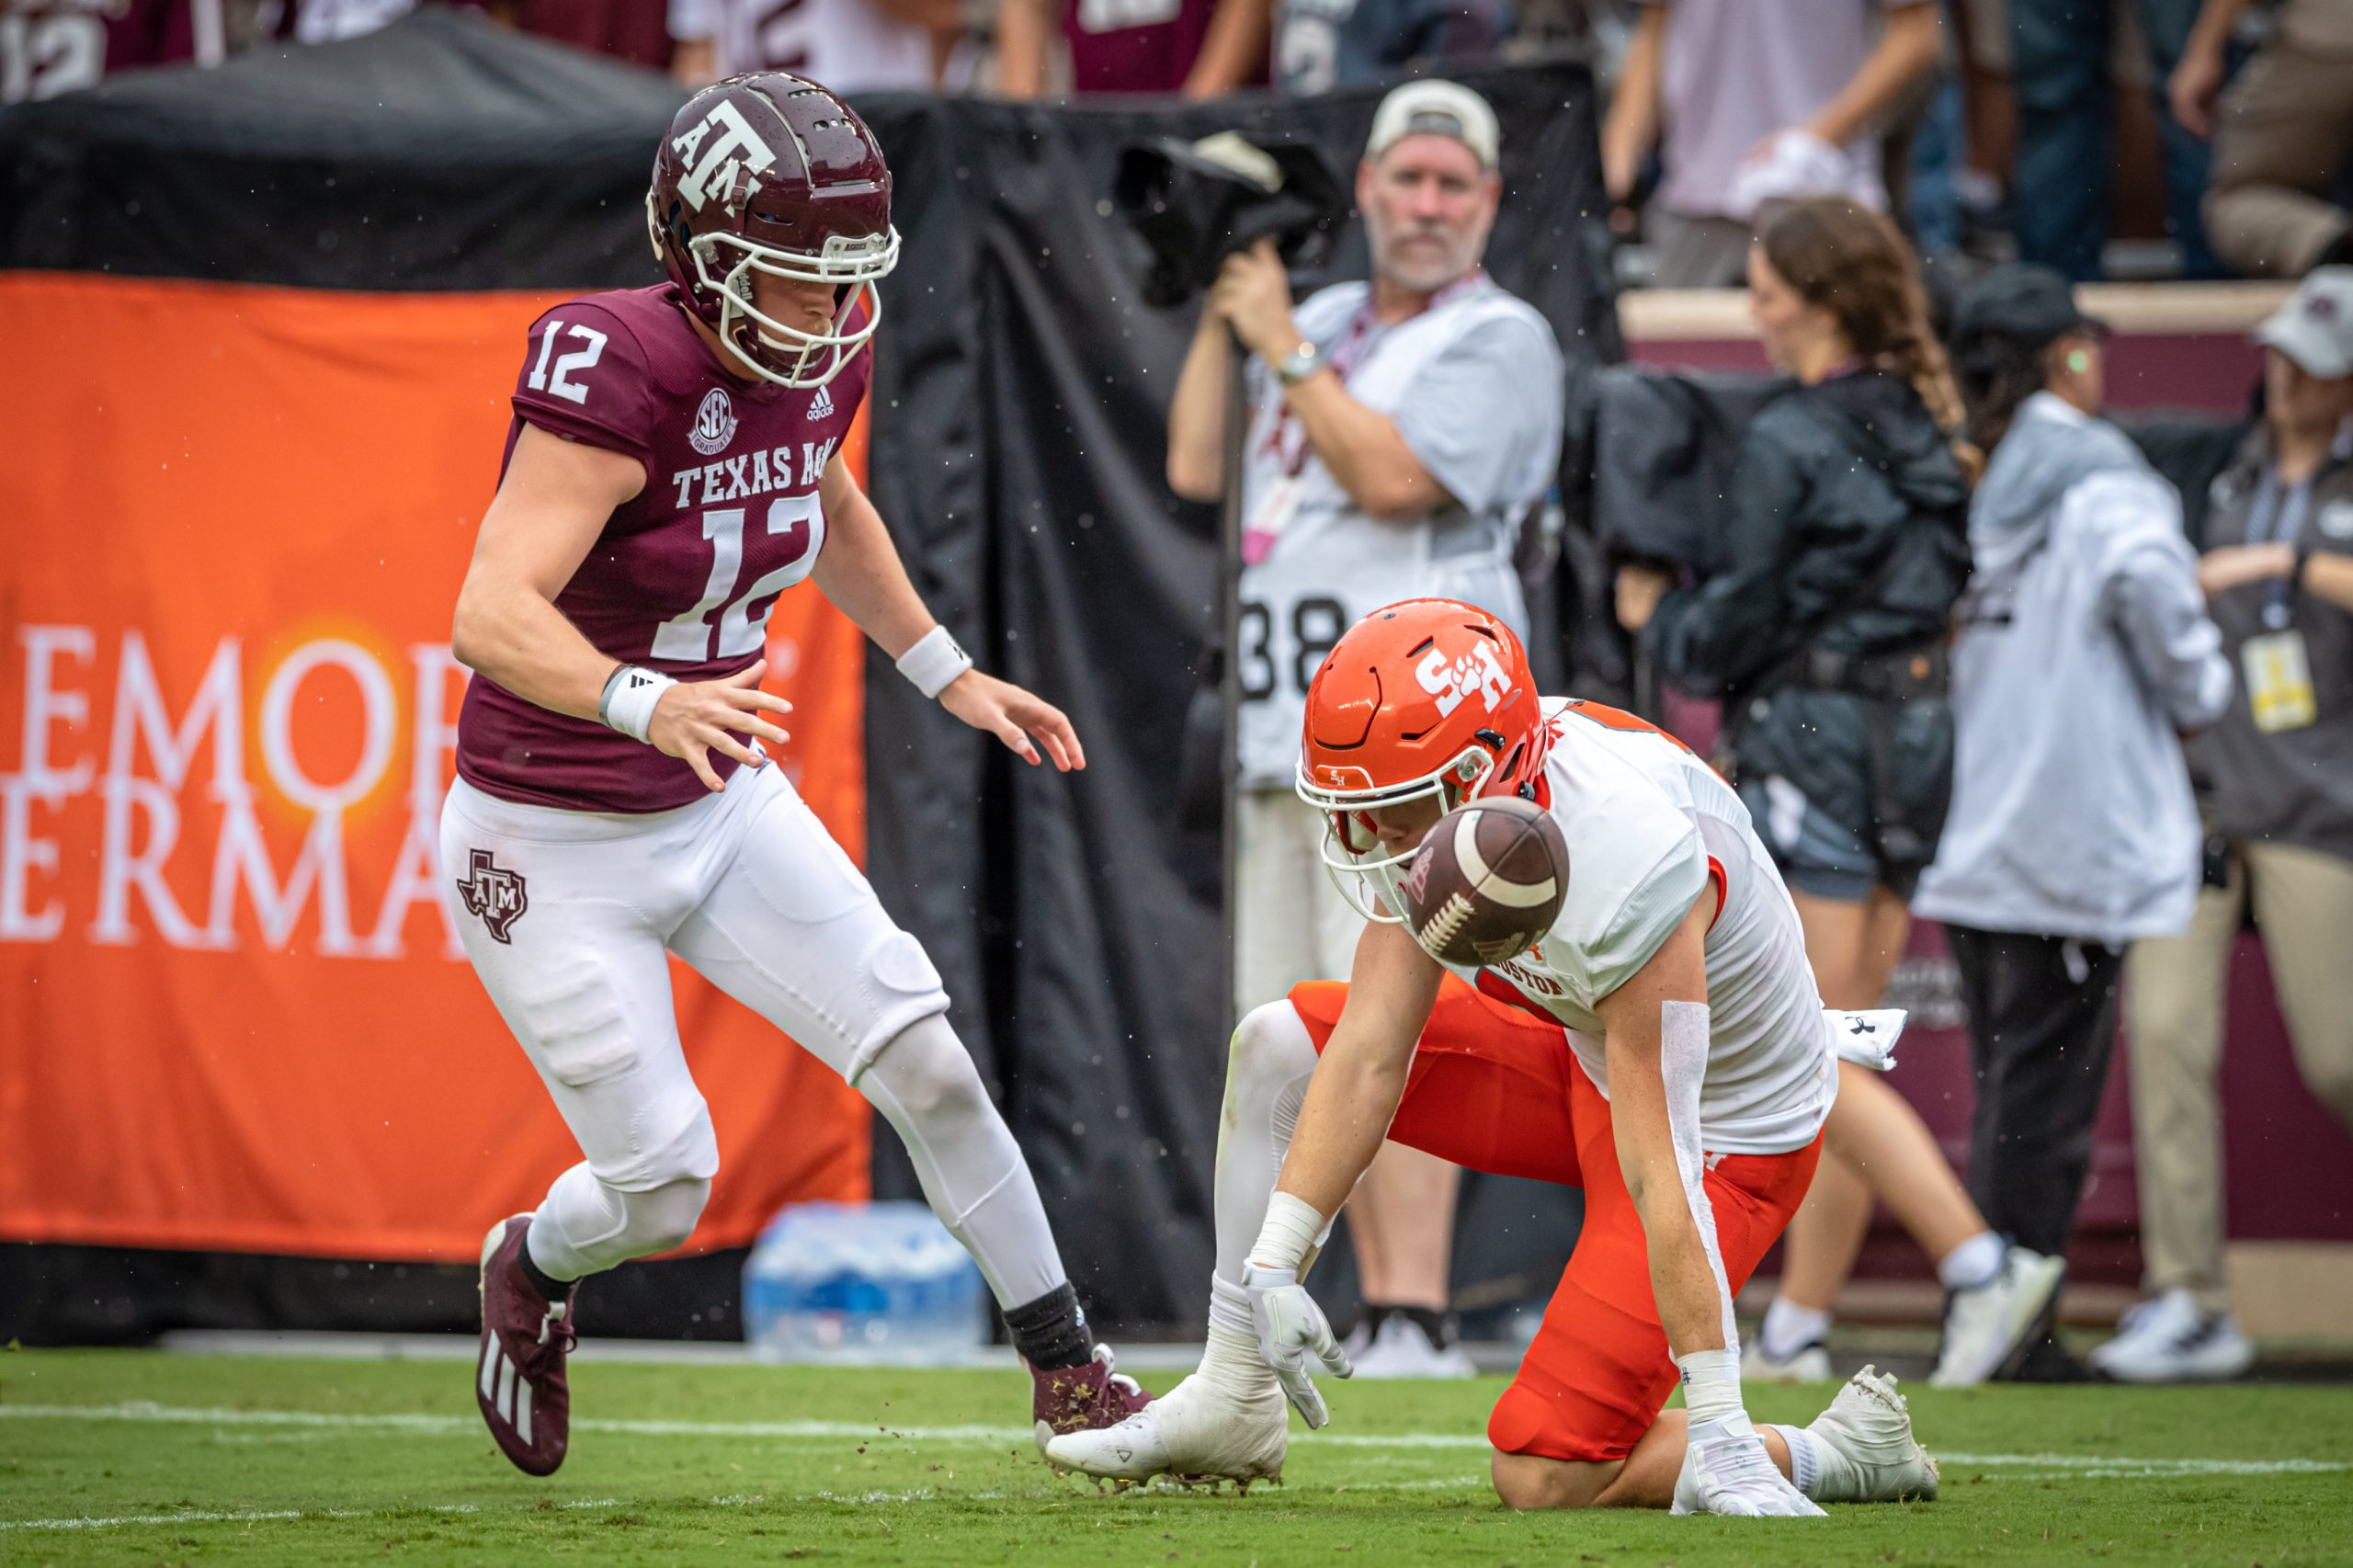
{"x": 1298, "y": 365}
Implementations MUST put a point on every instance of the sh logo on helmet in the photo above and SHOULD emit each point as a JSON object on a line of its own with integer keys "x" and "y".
{"x": 1450, "y": 681}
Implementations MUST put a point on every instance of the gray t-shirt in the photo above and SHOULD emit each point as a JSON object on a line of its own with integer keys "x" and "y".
{"x": 1475, "y": 385}
{"x": 1733, "y": 71}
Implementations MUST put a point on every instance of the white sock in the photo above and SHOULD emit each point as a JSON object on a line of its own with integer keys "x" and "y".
{"x": 1973, "y": 1263}
{"x": 1790, "y": 1328}
{"x": 1809, "y": 1458}
{"x": 1229, "y": 1360}
{"x": 1267, "y": 1070}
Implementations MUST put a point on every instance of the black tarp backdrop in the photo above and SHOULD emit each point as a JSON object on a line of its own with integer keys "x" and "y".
{"x": 440, "y": 153}
{"x": 1018, "y": 444}
{"x": 1018, "y": 449}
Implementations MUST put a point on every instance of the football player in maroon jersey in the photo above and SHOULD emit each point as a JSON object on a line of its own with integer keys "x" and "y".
{"x": 673, "y": 466}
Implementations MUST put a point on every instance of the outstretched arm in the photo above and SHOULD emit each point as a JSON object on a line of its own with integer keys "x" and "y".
{"x": 1362, "y": 1075}
{"x": 1637, "y": 1017}
{"x": 860, "y": 572}
{"x": 1350, "y": 1101}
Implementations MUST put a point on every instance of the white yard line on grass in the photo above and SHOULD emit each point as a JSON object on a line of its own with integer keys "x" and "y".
{"x": 919, "y": 1494}
{"x": 327, "y": 1423}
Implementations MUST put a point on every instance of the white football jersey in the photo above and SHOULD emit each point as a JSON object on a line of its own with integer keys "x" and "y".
{"x": 1648, "y": 825}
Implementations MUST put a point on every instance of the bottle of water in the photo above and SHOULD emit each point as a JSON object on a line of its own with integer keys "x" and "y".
{"x": 862, "y": 1283}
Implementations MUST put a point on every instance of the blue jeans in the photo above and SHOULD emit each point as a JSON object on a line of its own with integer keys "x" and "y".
{"x": 2064, "y": 158}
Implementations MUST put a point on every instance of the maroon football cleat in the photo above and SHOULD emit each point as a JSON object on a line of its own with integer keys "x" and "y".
{"x": 1083, "y": 1398}
{"x": 519, "y": 1381}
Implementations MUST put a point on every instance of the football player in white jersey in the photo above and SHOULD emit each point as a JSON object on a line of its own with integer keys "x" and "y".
{"x": 1400, "y": 430}
{"x": 1661, "y": 1047}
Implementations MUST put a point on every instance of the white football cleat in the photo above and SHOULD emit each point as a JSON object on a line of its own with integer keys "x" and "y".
{"x": 1810, "y": 1364}
{"x": 1727, "y": 1471}
{"x": 2168, "y": 1340}
{"x": 1873, "y": 1456}
{"x": 1990, "y": 1327}
{"x": 1194, "y": 1430}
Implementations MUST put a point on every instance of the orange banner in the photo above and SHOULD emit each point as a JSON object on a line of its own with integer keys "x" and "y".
{"x": 233, "y": 1012}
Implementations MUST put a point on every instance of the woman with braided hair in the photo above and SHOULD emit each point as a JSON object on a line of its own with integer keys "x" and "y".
{"x": 1825, "y": 636}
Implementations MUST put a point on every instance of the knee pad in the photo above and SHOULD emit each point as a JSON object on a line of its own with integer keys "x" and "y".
{"x": 900, "y": 989}
{"x": 662, "y": 1218}
{"x": 927, "y": 1072}
{"x": 1271, "y": 1048}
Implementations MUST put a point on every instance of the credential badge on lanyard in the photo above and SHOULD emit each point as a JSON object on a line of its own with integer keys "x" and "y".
{"x": 1287, "y": 441}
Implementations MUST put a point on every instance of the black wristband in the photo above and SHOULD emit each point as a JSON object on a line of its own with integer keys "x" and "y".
{"x": 2296, "y": 572}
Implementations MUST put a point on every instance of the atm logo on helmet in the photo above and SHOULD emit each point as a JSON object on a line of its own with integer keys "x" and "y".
{"x": 1478, "y": 673}
{"x": 738, "y": 143}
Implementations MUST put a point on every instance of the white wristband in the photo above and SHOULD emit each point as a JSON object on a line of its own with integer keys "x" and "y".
{"x": 934, "y": 660}
{"x": 1711, "y": 1385}
{"x": 1291, "y": 1227}
{"x": 630, "y": 693}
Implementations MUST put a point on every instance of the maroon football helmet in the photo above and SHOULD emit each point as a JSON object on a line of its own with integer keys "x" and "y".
{"x": 768, "y": 172}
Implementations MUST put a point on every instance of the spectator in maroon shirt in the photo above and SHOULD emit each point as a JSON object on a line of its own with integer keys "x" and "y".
{"x": 47, "y": 47}
{"x": 634, "y": 30}
{"x": 1199, "y": 48}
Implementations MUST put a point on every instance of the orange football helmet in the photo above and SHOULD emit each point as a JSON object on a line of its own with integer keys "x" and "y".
{"x": 1427, "y": 697}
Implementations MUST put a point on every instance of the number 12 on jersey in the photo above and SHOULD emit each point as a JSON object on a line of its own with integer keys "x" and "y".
{"x": 689, "y": 637}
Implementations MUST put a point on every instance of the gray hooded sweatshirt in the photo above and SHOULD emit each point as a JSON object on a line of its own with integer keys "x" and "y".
{"x": 2084, "y": 649}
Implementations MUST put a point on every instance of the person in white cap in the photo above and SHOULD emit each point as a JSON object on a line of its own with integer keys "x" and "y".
{"x": 2275, "y": 783}
{"x": 1400, "y": 430}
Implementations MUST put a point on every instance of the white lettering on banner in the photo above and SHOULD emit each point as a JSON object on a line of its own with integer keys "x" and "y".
{"x": 416, "y": 878}
{"x": 166, "y": 836}
{"x": 139, "y": 711}
{"x": 277, "y": 726}
{"x": 242, "y": 857}
{"x": 22, "y": 854}
{"x": 123, "y": 867}
{"x": 46, "y": 706}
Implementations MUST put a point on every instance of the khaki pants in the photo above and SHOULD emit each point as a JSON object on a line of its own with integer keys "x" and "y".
{"x": 2175, "y": 992}
{"x": 2284, "y": 139}
{"x": 1290, "y": 924}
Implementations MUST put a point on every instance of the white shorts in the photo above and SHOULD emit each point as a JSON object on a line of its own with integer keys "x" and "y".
{"x": 566, "y": 916}
{"x": 1290, "y": 924}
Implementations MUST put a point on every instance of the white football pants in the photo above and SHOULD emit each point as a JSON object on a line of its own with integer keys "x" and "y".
{"x": 568, "y": 918}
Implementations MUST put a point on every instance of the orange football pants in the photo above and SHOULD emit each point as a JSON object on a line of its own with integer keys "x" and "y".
{"x": 1494, "y": 1088}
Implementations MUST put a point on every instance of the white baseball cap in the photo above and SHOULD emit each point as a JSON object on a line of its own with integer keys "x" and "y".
{"x": 2314, "y": 328}
{"x": 1436, "y": 107}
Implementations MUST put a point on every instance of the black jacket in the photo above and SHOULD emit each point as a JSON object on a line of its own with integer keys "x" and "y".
{"x": 1849, "y": 536}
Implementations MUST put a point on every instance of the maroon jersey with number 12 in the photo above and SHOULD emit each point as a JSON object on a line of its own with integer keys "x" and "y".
{"x": 682, "y": 577}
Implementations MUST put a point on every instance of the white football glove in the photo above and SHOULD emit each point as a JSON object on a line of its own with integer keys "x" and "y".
{"x": 1292, "y": 1330}
{"x": 1727, "y": 1471}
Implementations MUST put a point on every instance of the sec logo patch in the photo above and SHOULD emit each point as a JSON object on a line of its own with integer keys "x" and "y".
{"x": 714, "y": 424}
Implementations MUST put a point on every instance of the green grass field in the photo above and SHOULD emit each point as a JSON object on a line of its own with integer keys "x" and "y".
{"x": 136, "y": 1456}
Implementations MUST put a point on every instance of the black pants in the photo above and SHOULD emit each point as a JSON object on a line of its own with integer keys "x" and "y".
{"x": 2042, "y": 1021}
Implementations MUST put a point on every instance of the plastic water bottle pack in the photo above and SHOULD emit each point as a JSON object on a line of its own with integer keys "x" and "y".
{"x": 862, "y": 1283}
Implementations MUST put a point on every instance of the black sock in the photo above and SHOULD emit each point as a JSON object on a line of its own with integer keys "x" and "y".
{"x": 1051, "y": 1331}
{"x": 546, "y": 1284}
{"x": 1435, "y": 1326}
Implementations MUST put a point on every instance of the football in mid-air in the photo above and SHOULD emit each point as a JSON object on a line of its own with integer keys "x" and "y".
{"x": 1487, "y": 881}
